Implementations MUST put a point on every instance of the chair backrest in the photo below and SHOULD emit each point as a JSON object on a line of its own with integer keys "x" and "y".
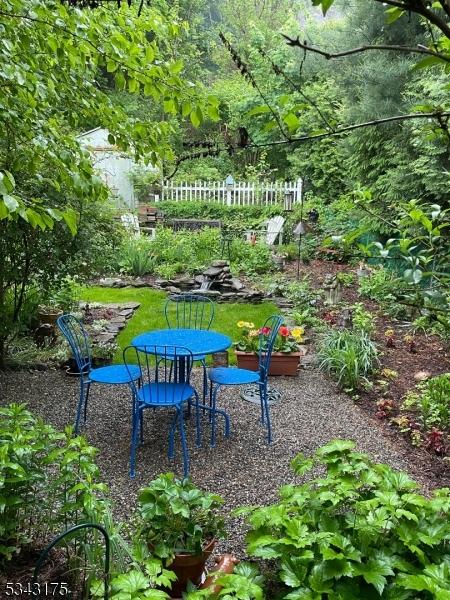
{"x": 131, "y": 222}
{"x": 267, "y": 336}
{"x": 75, "y": 334}
{"x": 160, "y": 364}
{"x": 189, "y": 311}
{"x": 274, "y": 228}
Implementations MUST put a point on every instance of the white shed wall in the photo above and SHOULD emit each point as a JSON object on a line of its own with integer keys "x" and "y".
{"x": 113, "y": 167}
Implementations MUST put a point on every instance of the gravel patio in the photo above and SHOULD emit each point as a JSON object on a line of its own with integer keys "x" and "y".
{"x": 243, "y": 469}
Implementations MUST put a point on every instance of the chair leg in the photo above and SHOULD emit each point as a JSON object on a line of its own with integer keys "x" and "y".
{"x": 173, "y": 427}
{"x": 213, "y": 414}
{"x": 183, "y": 442}
{"x": 198, "y": 431}
{"x": 88, "y": 387}
{"x": 205, "y": 382}
{"x": 81, "y": 404}
{"x": 265, "y": 408}
{"x": 134, "y": 435}
{"x": 141, "y": 426}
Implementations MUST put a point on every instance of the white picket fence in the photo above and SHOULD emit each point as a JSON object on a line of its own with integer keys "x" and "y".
{"x": 236, "y": 194}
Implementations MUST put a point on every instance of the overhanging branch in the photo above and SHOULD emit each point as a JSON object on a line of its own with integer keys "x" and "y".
{"x": 295, "y": 42}
{"x": 440, "y": 116}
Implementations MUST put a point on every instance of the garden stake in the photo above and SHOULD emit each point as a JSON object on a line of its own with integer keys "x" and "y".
{"x": 60, "y": 537}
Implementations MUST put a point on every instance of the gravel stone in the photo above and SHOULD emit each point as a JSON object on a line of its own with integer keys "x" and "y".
{"x": 244, "y": 469}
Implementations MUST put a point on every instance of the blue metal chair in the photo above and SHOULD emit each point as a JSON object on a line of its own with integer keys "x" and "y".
{"x": 191, "y": 311}
{"x": 75, "y": 334}
{"x": 221, "y": 376}
{"x": 165, "y": 384}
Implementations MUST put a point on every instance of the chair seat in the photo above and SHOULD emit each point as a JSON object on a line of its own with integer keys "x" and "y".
{"x": 233, "y": 376}
{"x": 164, "y": 394}
{"x": 115, "y": 374}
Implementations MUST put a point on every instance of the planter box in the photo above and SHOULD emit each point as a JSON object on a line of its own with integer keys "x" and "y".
{"x": 280, "y": 364}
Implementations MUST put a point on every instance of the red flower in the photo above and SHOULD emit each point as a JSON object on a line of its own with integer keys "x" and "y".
{"x": 265, "y": 330}
{"x": 284, "y": 331}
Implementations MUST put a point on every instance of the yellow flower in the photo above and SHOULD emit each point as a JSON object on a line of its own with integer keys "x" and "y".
{"x": 253, "y": 332}
{"x": 297, "y": 332}
{"x": 241, "y": 324}
{"x": 250, "y": 325}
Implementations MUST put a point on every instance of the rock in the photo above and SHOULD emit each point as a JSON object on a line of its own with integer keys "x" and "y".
{"x": 214, "y": 293}
{"x": 422, "y": 375}
{"x": 126, "y": 312}
{"x": 173, "y": 289}
{"x": 109, "y": 282}
{"x": 118, "y": 319}
{"x": 198, "y": 279}
{"x": 237, "y": 284}
{"x": 133, "y": 305}
{"x": 119, "y": 284}
{"x": 103, "y": 338}
{"x": 212, "y": 271}
{"x": 161, "y": 282}
{"x": 220, "y": 263}
{"x": 115, "y": 327}
{"x": 139, "y": 283}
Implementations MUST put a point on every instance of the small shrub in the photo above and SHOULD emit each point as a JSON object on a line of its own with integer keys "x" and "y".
{"x": 362, "y": 530}
{"x": 350, "y": 356}
{"x": 346, "y": 279}
{"x": 432, "y": 401}
{"x": 363, "y": 320}
{"x": 385, "y": 288}
{"x": 136, "y": 257}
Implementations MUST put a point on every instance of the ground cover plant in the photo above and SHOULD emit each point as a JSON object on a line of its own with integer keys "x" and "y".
{"x": 362, "y": 530}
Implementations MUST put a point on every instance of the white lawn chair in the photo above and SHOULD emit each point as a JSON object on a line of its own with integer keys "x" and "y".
{"x": 274, "y": 229}
{"x": 131, "y": 222}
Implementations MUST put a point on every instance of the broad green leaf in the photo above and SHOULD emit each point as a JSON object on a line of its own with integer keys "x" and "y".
{"x": 71, "y": 218}
{"x": 292, "y": 121}
{"x": 258, "y": 110}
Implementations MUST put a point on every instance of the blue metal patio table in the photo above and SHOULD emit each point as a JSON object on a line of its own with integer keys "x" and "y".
{"x": 200, "y": 342}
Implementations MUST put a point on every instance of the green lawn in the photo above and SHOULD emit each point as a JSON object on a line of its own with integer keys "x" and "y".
{"x": 150, "y": 315}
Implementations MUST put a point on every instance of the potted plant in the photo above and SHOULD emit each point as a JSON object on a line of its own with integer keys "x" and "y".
{"x": 103, "y": 353}
{"x": 180, "y": 524}
{"x": 286, "y": 350}
{"x": 49, "y": 313}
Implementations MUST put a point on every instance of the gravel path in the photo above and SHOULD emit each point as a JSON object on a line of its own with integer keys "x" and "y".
{"x": 243, "y": 469}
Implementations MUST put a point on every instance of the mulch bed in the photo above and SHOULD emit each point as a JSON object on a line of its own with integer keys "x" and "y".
{"x": 431, "y": 355}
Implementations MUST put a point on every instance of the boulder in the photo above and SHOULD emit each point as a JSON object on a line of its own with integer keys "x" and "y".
{"x": 237, "y": 284}
{"x": 212, "y": 271}
{"x": 220, "y": 263}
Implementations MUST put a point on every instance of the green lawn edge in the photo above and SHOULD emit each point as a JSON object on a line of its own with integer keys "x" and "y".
{"x": 150, "y": 315}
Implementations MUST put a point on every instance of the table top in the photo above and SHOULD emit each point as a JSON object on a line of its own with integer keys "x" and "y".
{"x": 198, "y": 341}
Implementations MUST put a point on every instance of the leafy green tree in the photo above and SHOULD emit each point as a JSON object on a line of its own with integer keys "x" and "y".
{"x": 52, "y": 57}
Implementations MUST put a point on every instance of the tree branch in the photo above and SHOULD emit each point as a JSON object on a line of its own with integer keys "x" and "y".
{"x": 418, "y": 7}
{"x": 329, "y": 55}
{"x": 439, "y": 115}
{"x": 279, "y": 71}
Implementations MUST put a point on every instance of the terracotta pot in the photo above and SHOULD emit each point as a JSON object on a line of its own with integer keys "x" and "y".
{"x": 280, "y": 364}
{"x": 189, "y": 567}
{"x": 49, "y": 316}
